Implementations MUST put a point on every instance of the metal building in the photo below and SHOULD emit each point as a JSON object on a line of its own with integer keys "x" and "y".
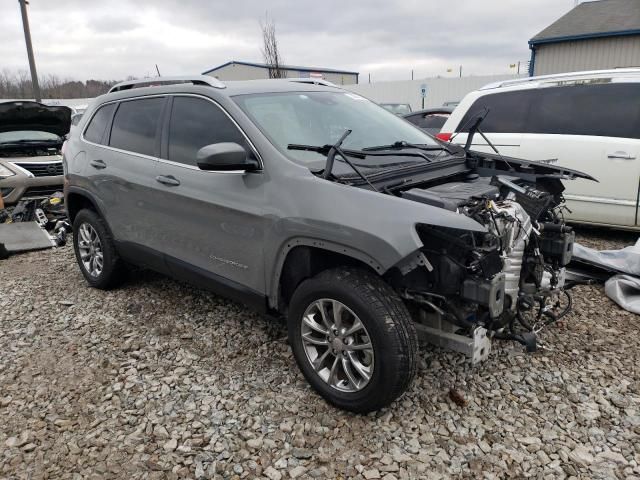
{"x": 592, "y": 36}
{"x": 235, "y": 70}
{"x": 438, "y": 91}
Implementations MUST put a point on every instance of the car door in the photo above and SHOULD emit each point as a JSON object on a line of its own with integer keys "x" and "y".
{"x": 594, "y": 128}
{"x": 504, "y": 114}
{"x": 122, "y": 172}
{"x": 213, "y": 224}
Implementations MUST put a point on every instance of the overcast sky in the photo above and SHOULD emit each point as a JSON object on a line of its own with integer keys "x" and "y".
{"x": 111, "y": 39}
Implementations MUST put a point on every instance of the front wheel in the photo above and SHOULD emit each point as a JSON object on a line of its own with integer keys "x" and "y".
{"x": 353, "y": 339}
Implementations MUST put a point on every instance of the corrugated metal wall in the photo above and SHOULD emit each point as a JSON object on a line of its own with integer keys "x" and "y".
{"x": 593, "y": 54}
{"x": 439, "y": 90}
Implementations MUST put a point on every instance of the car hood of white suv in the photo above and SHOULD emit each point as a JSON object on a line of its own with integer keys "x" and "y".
{"x": 26, "y": 115}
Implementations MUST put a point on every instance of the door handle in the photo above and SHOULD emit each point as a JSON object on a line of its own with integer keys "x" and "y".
{"x": 620, "y": 155}
{"x": 169, "y": 180}
{"x": 99, "y": 164}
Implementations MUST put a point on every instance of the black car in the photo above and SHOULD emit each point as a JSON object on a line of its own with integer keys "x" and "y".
{"x": 430, "y": 120}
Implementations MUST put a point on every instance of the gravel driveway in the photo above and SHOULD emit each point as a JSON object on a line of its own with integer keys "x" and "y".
{"x": 161, "y": 380}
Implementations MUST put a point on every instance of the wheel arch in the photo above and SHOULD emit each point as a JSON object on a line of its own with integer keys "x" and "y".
{"x": 301, "y": 258}
{"x": 76, "y": 199}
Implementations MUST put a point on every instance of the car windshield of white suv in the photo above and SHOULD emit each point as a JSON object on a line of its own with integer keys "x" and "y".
{"x": 27, "y": 136}
{"x": 321, "y": 118}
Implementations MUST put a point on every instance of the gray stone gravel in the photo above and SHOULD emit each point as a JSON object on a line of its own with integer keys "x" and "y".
{"x": 160, "y": 380}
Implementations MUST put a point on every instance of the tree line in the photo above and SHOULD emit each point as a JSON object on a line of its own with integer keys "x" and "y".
{"x": 18, "y": 85}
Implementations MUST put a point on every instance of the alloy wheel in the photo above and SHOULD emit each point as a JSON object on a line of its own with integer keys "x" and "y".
{"x": 337, "y": 345}
{"x": 90, "y": 249}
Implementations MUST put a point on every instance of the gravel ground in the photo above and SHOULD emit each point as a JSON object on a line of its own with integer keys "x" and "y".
{"x": 161, "y": 380}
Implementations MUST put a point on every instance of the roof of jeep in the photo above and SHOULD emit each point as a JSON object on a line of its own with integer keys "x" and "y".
{"x": 228, "y": 89}
{"x": 267, "y": 86}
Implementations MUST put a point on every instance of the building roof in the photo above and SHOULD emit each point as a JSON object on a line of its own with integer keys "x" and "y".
{"x": 602, "y": 18}
{"x": 286, "y": 67}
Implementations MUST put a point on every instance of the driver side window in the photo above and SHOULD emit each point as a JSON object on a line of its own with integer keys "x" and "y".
{"x": 195, "y": 123}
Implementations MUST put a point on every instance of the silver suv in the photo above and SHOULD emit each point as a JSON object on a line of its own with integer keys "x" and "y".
{"x": 304, "y": 200}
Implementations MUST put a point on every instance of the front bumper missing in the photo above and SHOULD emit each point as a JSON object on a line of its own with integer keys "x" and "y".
{"x": 476, "y": 347}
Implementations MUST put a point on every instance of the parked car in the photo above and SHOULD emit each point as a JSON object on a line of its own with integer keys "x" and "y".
{"x": 584, "y": 120}
{"x": 78, "y": 111}
{"x": 397, "y": 108}
{"x": 75, "y": 119}
{"x": 313, "y": 203}
{"x": 452, "y": 104}
{"x": 431, "y": 120}
{"x": 31, "y": 137}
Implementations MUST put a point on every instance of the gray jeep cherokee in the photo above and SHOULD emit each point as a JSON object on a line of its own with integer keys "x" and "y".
{"x": 307, "y": 201}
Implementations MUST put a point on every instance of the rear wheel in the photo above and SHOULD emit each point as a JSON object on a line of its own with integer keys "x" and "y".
{"x": 353, "y": 339}
{"x": 95, "y": 251}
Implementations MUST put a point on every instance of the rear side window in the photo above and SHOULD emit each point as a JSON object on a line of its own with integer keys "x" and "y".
{"x": 605, "y": 110}
{"x": 507, "y": 112}
{"x": 98, "y": 124}
{"x": 135, "y": 125}
{"x": 195, "y": 123}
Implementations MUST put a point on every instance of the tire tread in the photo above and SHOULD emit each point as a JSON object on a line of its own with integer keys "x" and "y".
{"x": 113, "y": 273}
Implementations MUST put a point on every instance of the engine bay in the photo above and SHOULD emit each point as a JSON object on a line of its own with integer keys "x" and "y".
{"x": 506, "y": 283}
{"x": 30, "y": 151}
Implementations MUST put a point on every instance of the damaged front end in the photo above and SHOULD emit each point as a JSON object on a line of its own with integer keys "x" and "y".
{"x": 506, "y": 282}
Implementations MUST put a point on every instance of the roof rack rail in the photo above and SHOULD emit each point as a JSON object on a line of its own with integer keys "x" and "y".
{"x": 560, "y": 76}
{"x": 314, "y": 81}
{"x": 151, "y": 82}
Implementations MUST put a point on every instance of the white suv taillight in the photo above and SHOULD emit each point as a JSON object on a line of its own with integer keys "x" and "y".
{"x": 445, "y": 137}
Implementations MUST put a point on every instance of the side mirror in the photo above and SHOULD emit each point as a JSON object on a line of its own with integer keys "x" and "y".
{"x": 225, "y": 157}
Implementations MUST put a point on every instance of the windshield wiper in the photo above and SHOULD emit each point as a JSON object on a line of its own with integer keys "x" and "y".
{"x": 401, "y": 145}
{"x": 331, "y": 151}
{"x": 475, "y": 128}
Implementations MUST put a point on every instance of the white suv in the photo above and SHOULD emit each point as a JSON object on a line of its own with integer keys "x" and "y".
{"x": 588, "y": 121}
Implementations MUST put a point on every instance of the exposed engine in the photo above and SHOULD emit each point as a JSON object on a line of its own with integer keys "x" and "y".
{"x": 506, "y": 283}
{"x": 28, "y": 151}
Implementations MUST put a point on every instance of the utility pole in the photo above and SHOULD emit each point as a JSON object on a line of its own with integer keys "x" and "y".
{"x": 460, "y": 71}
{"x": 32, "y": 62}
{"x": 411, "y": 74}
{"x": 369, "y": 78}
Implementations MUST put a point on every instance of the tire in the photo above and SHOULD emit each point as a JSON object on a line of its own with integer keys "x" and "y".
{"x": 385, "y": 350}
{"x": 112, "y": 272}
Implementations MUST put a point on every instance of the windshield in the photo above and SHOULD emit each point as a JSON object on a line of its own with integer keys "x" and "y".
{"x": 27, "y": 136}
{"x": 320, "y": 118}
{"x": 397, "y": 108}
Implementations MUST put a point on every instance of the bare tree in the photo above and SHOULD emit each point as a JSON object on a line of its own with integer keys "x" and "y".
{"x": 270, "y": 51}
{"x": 18, "y": 85}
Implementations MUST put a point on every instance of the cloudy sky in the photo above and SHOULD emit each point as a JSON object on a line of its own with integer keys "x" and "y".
{"x": 111, "y": 39}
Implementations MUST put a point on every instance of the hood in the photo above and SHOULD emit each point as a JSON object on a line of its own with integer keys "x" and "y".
{"x": 25, "y": 115}
{"x": 523, "y": 168}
